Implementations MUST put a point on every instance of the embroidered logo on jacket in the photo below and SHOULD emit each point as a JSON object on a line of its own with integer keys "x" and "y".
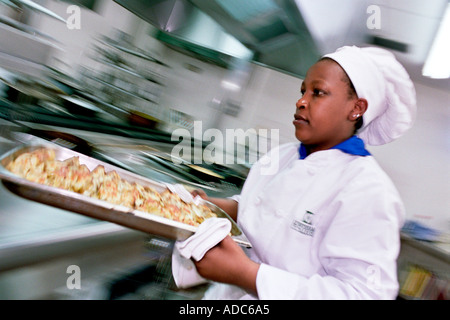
{"x": 305, "y": 226}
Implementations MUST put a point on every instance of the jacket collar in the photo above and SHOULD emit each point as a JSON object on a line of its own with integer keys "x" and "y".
{"x": 353, "y": 145}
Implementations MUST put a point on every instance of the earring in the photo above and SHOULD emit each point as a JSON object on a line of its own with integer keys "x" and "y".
{"x": 356, "y": 115}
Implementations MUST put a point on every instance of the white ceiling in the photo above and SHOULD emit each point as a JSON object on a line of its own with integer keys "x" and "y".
{"x": 413, "y": 23}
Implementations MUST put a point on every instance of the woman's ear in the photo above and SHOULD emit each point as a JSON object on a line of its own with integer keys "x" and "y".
{"x": 359, "y": 108}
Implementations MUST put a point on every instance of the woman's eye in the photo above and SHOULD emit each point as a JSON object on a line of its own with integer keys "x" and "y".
{"x": 315, "y": 92}
{"x": 318, "y": 92}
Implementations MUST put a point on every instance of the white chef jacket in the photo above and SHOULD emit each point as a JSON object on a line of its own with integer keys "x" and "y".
{"x": 325, "y": 227}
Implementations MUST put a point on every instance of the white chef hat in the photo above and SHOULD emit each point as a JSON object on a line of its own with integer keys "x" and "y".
{"x": 380, "y": 79}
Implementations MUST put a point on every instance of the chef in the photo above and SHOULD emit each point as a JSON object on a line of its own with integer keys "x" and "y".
{"x": 326, "y": 224}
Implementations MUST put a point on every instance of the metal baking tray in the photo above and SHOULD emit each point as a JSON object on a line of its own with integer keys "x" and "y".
{"x": 100, "y": 209}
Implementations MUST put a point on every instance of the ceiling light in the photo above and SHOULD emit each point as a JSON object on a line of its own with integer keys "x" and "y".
{"x": 438, "y": 62}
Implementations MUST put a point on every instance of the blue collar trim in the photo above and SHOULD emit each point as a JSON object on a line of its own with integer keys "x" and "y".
{"x": 352, "y": 145}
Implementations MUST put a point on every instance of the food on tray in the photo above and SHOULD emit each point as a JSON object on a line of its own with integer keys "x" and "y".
{"x": 41, "y": 166}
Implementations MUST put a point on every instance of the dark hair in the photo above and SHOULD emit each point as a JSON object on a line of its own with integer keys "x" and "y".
{"x": 351, "y": 91}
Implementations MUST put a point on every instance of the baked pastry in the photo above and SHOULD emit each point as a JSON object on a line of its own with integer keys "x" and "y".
{"x": 41, "y": 166}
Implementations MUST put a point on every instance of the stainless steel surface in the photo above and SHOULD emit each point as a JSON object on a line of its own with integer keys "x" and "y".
{"x": 34, "y": 241}
{"x": 275, "y": 30}
{"x": 278, "y": 32}
{"x": 98, "y": 209}
{"x": 186, "y": 23}
{"x": 39, "y": 271}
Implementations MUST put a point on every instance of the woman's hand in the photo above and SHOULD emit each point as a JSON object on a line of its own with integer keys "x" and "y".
{"x": 201, "y": 193}
{"x": 228, "y": 263}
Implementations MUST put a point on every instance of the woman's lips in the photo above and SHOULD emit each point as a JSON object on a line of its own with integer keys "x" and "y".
{"x": 299, "y": 120}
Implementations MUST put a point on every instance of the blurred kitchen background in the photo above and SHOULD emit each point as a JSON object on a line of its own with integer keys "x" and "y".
{"x": 114, "y": 79}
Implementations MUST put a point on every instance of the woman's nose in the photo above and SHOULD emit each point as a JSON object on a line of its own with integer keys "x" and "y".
{"x": 301, "y": 103}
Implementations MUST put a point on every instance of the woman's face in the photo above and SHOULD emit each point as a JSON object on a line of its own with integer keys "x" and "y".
{"x": 324, "y": 113}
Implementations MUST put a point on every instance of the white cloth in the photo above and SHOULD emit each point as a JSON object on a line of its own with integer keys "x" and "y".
{"x": 209, "y": 234}
{"x": 326, "y": 227}
{"x": 380, "y": 79}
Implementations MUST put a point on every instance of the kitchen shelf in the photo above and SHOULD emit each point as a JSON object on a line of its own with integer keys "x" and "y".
{"x": 129, "y": 71}
{"x": 133, "y": 51}
{"x": 118, "y": 89}
{"x": 125, "y": 77}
